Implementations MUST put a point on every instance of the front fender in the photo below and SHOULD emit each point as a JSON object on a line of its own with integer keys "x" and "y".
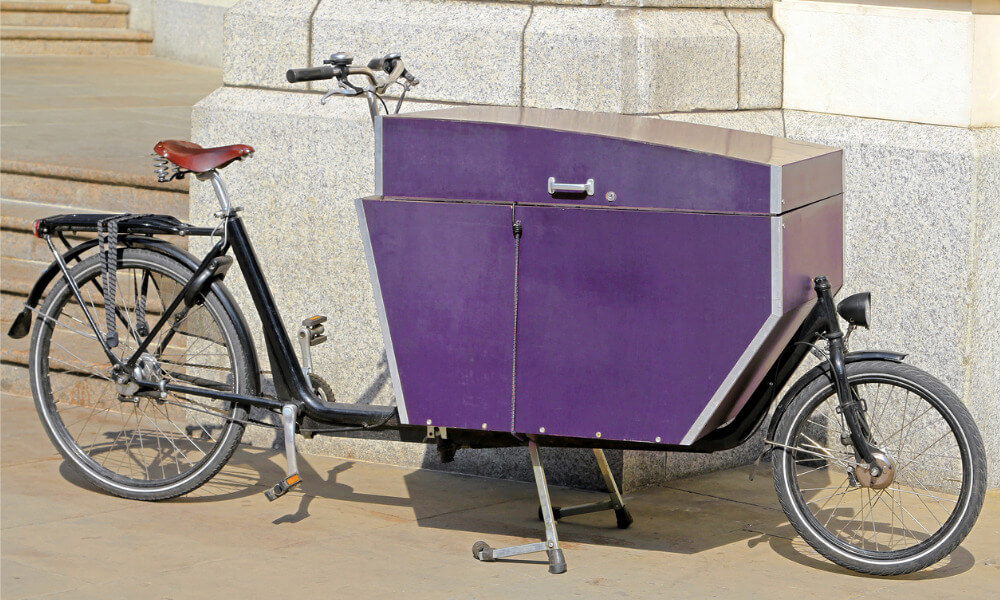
{"x": 823, "y": 370}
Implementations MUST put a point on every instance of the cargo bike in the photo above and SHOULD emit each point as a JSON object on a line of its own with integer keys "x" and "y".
{"x": 543, "y": 278}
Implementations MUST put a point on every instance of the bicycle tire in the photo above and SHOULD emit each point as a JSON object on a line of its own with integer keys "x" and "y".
{"x": 813, "y": 449}
{"x": 177, "y": 452}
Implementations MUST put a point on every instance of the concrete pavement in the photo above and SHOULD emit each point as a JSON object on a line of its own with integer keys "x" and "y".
{"x": 362, "y": 530}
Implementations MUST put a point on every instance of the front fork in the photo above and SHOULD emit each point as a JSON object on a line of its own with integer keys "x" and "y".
{"x": 852, "y": 408}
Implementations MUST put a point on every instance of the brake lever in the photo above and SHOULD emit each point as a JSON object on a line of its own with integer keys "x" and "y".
{"x": 399, "y": 103}
{"x": 391, "y": 77}
{"x": 345, "y": 89}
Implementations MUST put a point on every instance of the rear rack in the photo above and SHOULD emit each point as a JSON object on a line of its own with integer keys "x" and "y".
{"x": 137, "y": 224}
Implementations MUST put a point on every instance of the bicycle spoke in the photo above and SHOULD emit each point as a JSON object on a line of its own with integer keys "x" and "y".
{"x": 132, "y": 440}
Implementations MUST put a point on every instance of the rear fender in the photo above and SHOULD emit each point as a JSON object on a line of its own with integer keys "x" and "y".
{"x": 22, "y": 323}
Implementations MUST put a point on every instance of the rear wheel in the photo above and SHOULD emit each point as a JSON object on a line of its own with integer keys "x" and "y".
{"x": 934, "y": 470}
{"x": 134, "y": 444}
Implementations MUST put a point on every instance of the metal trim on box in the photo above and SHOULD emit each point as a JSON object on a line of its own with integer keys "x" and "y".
{"x": 777, "y": 295}
{"x": 378, "y": 155}
{"x": 775, "y": 189}
{"x": 390, "y": 355}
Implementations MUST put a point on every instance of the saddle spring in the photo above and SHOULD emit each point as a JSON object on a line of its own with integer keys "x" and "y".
{"x": 162, "y": 166}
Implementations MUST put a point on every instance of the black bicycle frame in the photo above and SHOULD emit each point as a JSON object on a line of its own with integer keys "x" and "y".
{"x": 292, "y": 384}
{"x": 290, "y": 380}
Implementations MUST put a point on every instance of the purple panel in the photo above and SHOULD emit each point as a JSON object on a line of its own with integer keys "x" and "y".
{"x": 427, "y": 158}
{"x": 446, "y": 273}
{"x": 629, "y": 321}
{"x": 812, "y": 244}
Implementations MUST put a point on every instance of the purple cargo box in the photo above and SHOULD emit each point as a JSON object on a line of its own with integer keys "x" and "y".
{"x": 647, "y": 311}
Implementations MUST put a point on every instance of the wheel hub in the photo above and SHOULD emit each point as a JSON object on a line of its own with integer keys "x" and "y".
{"x": 883, "y": 479}
{"x": 146, "y": 369}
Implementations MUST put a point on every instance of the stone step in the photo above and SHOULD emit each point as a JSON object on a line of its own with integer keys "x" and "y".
{"x": 75, "y": 41}
{"x": 69, "y": 353}
{"x": 83, "y": 189}
{"x": 64, "y": 14}
{"x": 14, "y": 376}
{"x": 17, "y": 220}
{"x": 10, "y": 306}
{"x": 19, "y": 275}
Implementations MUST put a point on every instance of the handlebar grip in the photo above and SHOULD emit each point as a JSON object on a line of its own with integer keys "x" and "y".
{"x": 310, "y": 74}
{"x": 375, "y": 64}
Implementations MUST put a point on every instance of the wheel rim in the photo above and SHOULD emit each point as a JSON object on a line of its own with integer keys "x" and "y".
{"x": 931, "y": 483}
{"x": 143, "y": 442}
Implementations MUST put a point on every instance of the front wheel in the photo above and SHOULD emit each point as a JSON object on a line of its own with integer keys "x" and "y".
{"x": 933, "y": 482}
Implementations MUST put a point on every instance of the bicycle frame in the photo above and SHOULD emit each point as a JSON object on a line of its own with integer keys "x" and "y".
{"x": 291, "y": 383}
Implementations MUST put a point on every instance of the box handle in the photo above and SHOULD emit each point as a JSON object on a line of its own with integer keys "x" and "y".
{"x": 573, "y": 188}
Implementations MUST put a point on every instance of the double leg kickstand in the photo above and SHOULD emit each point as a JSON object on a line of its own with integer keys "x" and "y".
{"x": 549, "y": 515}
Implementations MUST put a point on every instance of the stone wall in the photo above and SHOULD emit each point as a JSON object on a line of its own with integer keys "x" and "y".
{"x": 920, "y": 233}
{"x": 189, "y": 31}
{"x": 921, "y": 81}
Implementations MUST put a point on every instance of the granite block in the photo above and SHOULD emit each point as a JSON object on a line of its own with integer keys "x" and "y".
{"x": 768, "y": 122}
{"x": 263, "y": 39}
{"x": 982, "y": 388}
{"x": 693, "y": 3}
{"x": 760, "y": 58}
{"x": 653, "y": 3}
{"x": 298, "y": 193}
{"x": 629, "y": 60}
{"x": 190, "y": 30}
{"x": 921, "y": 231}
{"x": 140, "y": 14}
{"x": 466, "y": 52}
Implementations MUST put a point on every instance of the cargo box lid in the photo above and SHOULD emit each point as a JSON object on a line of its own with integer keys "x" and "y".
{"x": 507, "y": 154}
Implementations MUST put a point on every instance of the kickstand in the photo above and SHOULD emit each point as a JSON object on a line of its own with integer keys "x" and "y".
{"x": 289, "y": 414}
{"x": 615, "y": 501}
{"x": 557, "y": 562}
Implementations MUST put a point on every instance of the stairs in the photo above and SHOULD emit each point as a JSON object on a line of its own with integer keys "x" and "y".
{"x": 31, "y": 191}
{"x": 77, "y": 28}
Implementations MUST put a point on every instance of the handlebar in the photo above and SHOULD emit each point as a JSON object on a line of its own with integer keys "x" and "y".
{"x": 310, "y": 74}
{"x": 338, "y": 66}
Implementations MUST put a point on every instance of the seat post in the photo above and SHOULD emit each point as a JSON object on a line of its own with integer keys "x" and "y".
{"x": 219, "y": 186}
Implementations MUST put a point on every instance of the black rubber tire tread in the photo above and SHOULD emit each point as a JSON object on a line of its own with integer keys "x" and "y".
{"x": 624, "y": 518}
{"x": 222, "y": 452}
{"x": 822, "y": 387}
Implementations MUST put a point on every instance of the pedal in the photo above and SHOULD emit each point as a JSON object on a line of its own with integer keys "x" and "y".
{"x": 313, "y": 321}
{"x": 282, "y": 487}
{"x": 313, "y": 329}
{"x": 310, "y": 334}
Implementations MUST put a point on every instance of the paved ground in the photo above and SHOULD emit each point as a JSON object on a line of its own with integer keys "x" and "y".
{"x": 360, "y": 530}
{"x": 97, "y": 113}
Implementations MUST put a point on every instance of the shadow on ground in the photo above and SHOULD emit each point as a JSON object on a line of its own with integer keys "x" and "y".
{"x": 667, "y": 519}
